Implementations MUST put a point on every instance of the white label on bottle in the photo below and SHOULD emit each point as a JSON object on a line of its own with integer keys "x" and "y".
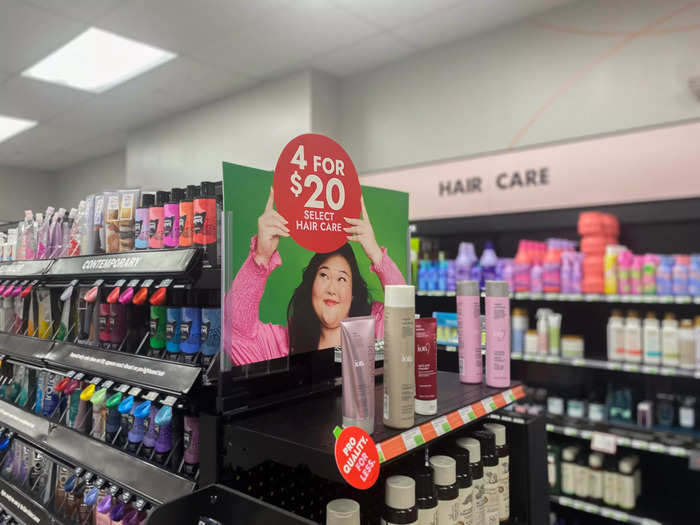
{"x": 386, "y": 405}
{"x": 626, "y": 492}
{"x": 466, "y": 506}
{"x": 479, "y": 489}
{"x": 427, "y": 516}
{"x": 448, "y": 512}
{"x": 567, "y": 477}
{"x": 551, "y": 470}
{"x": 504, "y": 488}
{"x": 581, "y": 481}
{"x": 610, "y": 488}
{"x": 491, "y": 495}
{"x": 595, "y": 484}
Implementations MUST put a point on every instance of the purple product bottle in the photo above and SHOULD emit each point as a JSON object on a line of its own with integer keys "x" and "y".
{"x": 164, "y": 442}
{"x": 464, "y": 261}
{"x": 149, "y": 440}
{"x": 191, "y": 439}
{"x": 577, "y": 273}
{"x": 488, "y": 263}
{"x": 135, "y": 517}
{"x": 141, "y": 221}
{"x": 171, "y": 218}
{"x": 138, "y": 430}
{"x": 118, "y": 511}
{"x": 536, "y": 285}
{"x": 451, "y": 276}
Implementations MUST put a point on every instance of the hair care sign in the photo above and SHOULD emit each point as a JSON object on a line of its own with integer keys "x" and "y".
{"x": 357, "y": 458}
{"x": 649, "y": 165}
{"x": 316, "y": 187}
{"x": 306, "y": 248}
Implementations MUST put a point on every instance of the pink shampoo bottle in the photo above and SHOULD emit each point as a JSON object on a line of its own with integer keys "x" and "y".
{"x": 469, "y": 331}
{"x": 497, "y": 334}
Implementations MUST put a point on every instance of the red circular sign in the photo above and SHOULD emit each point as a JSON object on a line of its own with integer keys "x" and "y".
{"x": 316, "y": 187}
{"x": 357, "y": 458}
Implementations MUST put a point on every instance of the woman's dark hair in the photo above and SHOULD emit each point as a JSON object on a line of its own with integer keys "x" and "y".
{"x": 303, "y": 324}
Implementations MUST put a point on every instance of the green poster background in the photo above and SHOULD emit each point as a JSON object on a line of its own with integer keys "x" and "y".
{"x": 245, "y": 194}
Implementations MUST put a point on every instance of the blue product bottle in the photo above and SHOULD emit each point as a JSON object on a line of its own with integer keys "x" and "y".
{"x": 126, "y": 410}
{"x": 50, "y": 395}
{"x": 432, "y": 276}
{"x": 423, "y": 274}
{"x": 442, "y": 273}
{"x": 40, "y": 388}
{"x": 475, "y": 274}
{"x": 138, "y": 430}
{"x": 172, "y": 326}
{"x": 190, "y": 330}
{"x": 694, "y": 284}
{"x": 488, "y": 263}
{"x": 164, "y": 442}
{"x": 211, "y": 334}
{"x": 664, "y": 279}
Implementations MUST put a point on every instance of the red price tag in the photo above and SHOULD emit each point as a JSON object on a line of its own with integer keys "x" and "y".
{"x": 357, "y": 458}
{"x": 316, "y": 187}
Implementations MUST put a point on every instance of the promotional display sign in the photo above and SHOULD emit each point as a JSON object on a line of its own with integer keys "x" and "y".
{"x": 357, "y": 458}
{"x": 308, "y": 247}
{"x": 315, "y": 188}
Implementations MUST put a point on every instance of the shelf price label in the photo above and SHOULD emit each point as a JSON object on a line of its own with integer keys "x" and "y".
{"x": 315, "y": 188}
{"x": 357, "y": 458}
{"x": 603, "y": 442}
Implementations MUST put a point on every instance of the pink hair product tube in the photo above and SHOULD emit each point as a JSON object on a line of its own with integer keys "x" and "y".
{"x": 469, "y": 331}
{"x": 497, "y": 334}
{"x": 357, "y": 347}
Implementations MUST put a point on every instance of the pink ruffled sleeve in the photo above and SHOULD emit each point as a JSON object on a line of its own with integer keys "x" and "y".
{"x": 247, "y": 339}
{"x": 388, "y": 273}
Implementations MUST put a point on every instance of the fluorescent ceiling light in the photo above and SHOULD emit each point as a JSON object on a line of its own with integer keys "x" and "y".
{"x": 10, "y": 126}
{"x": 97, "y": 60}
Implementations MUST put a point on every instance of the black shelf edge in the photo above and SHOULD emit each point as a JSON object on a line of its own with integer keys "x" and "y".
{"x": 171, "y": 262}
{"x": 18, "y": 269}
{"x": 24, "y": 348}
{"x": 601, "y": 364}
{"x": 302, "y": 431}
{"x": 657, "y": 441}
{"x": 130, "y": 472}
{"x": 601, "y": 510}
{"x": 146, "y": 372}
{"x": 22, "y": 507}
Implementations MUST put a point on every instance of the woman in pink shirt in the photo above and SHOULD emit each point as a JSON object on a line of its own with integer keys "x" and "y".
{"x": 331, "y": 289}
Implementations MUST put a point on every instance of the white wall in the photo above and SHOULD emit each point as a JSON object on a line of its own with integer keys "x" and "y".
{"x": 478, "y": 95}
{"x": 249, "y": 128}
{"x": 21, "y": 190}
{"x": 92, "y": 176}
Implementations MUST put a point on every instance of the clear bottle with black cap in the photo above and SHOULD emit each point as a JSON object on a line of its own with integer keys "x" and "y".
{"x": 502, "y": 451}
{"x": 445, "y": 476}
{"x": 426, "y": 496}
{"x": 464, "y": 484}
{"x": 490, "y": 460}
{"x": 343, "y": 512}
{"x": 476, "y": 468}
{"x": 400, "y": 501}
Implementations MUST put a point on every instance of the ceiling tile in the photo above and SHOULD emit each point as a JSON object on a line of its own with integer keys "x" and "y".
{"x": 367, "y": 54}
{"x": 107, "y": 114}
{"x": 81, "y": 10}
{"x": 182, "y": 83}
{"x": 29, "y": 33}
{"x": 467, "y": 19}
{"x": 182, "y": 25}
{"x": 36, "y": 100}
{"x": 391, "y": 13}
{"x": 44, "y": 138}
{"x": 287, "y": 39}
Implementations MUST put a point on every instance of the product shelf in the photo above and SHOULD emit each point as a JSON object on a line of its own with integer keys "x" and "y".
{"x": 583, "y": 298}
{"x": 22, "y": 507}
{"x": 302, "y": 432}
{"x": 650, "y": 440}
{"x": 143, "y": 478}
{"x": 601, "y": 364}
{"x": 600, "y": 510}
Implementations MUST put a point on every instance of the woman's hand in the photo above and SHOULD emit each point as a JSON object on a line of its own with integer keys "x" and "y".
{"x": 271, "y": 226}
{"x": 362, "y": 232}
